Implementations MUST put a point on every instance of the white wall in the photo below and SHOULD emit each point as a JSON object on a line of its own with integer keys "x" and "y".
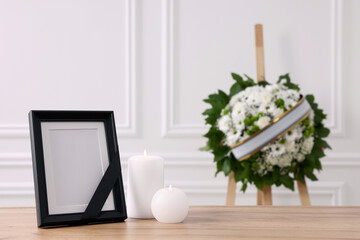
{"x": 153, "y": 62}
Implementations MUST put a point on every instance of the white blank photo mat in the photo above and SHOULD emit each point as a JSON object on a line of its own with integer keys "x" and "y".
{"x": 76, "y": 158}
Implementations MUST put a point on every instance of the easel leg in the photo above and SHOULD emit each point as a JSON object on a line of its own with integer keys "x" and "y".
{"x": 264, "y": 197}
{"x": 267, "y": 195}
{"x": 230, "y": 197}
{"x": 304, "y": 194}
{"x": 259, "y": 43}
{"x": 260, "y": 197}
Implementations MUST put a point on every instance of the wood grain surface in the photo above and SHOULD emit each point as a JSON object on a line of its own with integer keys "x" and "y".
{"x": 258, "y": 222}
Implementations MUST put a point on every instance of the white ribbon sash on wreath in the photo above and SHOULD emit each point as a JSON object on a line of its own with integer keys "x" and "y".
{"x": 273, "y": 131}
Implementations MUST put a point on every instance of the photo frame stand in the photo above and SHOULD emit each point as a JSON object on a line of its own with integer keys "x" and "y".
{"x": 77, "y": 170}
{"x": 264, "y": 197}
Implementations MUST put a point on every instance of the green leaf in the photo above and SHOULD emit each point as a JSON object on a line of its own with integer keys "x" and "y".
{"x": 318, "y": 164}
{"x": 208, "y": 112}
{"x": 275, "y": 174}
{"x": 311, "y": 176}
{"x": 321, "y": 143}
{"x": 220, "y": 153}
{"x": 243, "y": 187}
{"x": 323, "y": 132}
{"x": 211, "y": 120}
{"x": 244, "y": 171}
{"x": 258, "y": 181}
{"x": 288, "y": 83}
{"x": 236, "y": 88}
{"x": 317, "y": 152}
{"x": 226, "y": 166}
{"x": 218, "y": 157}
{"x": 263, "y": 83}
{"x": 287, "y": 181}
{"x": 310, "y": 98}
{"x": 300, "y": 176}
{"x": 219, "y": 166}
{"x": 249, "y": 78}
{"x": 205, "y": 148}
{"x": 268, "y": 179}
{"x": 237, "y": 77}
{"x": 224, "y": 97}
{"x": 216, "y": 101}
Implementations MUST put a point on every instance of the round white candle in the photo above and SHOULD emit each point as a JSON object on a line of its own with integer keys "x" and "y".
{"x": 170, "y": 205}
{"x": 145, "y": 177}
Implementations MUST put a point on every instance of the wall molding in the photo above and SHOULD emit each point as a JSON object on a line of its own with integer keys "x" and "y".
{"x": 129, "y": 127}
{"x": 204, "y": 159}
{"x": 17, "y": 189}
{"x": 200, "y": 189}
{"x": 172, "y": 129}
{"x": 197, "y": 190}
{"x": 334, "y": 189}
{"x": 169, "y": 128}
{"x": 336, "y": 114}
{"x": 15, "y": 160}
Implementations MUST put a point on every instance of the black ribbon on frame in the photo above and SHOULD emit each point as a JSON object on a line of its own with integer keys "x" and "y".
{"x": 112, "y": 173}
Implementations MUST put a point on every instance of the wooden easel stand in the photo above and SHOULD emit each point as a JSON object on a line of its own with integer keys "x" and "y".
{"x": 264, "y": 197}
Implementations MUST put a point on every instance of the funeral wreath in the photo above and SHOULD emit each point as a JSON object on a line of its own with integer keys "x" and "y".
{"x": 250, "y": 108}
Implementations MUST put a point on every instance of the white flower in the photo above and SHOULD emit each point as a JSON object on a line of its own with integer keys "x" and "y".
{"x": 245, "y": 136}
{"x": 276, "y": 149}
{"x": 289, "y": 103}
{"x": 239, "y": 127}
{"x": 238, "y": 113}
{"x": 262, "y": 170}
{"x": 272, "y": 160}
{"x": 264, "y": 149}
{"x": 267, "y": 108}
{"x": 224, "y": 123}
{"x": 295, "y": 95}
{"x": 311, "y": 118}
{"x": 290, "y": 146}
{"x": 253, "y": 97}
{"x": 272, "y": 88}
{"x": 235, "y": 99}
{"x": 263, "y": 122}
{"x": 307, "y": 145}
{"x": 285, "y": 161}
{"x": 294, "y": 134}
{"x": 265, "y": 98}
{"x": 240, "y": 107}
{"x": 232, "y": 138}
{"x": 300, "y": 157}
{"x": 277, "y": 112}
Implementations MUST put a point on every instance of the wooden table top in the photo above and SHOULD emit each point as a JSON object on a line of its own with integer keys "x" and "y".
{"x": 265, "y": 222}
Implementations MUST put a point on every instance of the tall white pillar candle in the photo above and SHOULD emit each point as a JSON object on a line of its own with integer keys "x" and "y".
{"x": 145, "y": 177}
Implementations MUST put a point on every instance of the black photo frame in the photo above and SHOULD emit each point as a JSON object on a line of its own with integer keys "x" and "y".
{"x": 76, "y": 165}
